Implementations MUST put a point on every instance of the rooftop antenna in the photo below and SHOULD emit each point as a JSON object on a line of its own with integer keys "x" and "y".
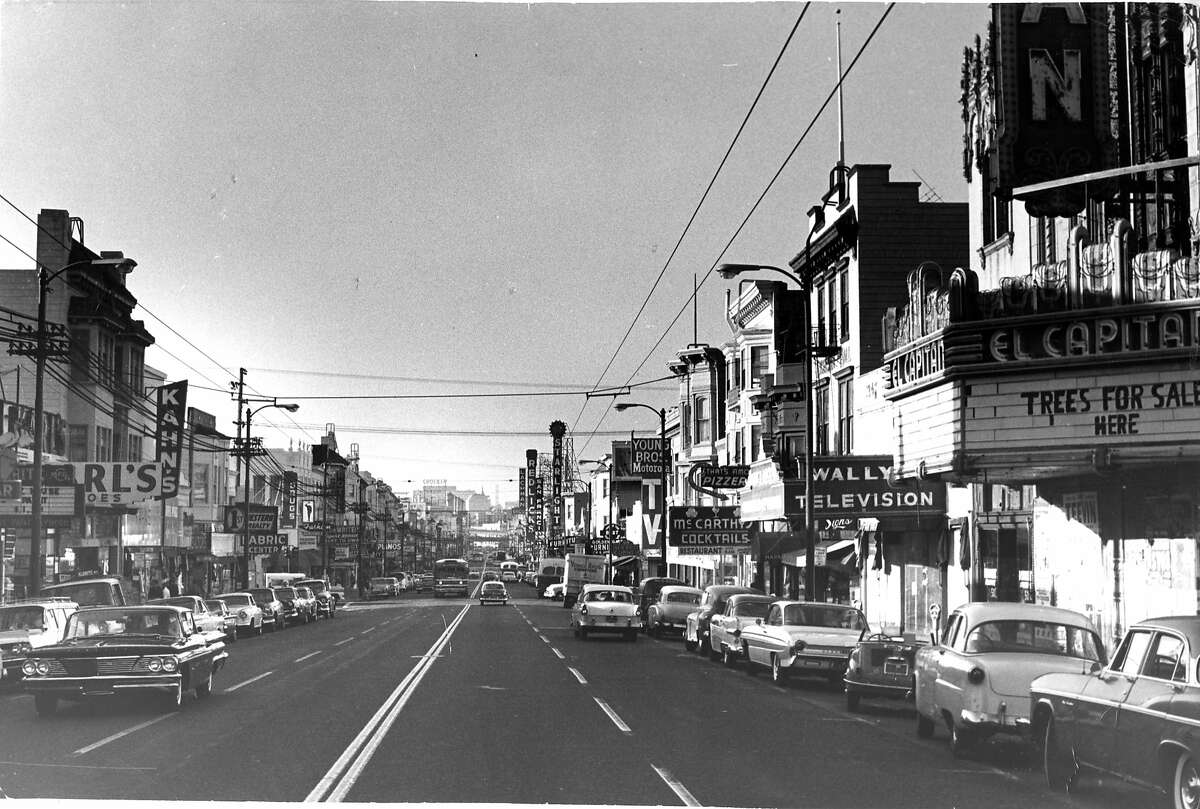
{"x": 841, "y": 115}
{"x": 695, "y": 326}
{"x": 930, "y": 192}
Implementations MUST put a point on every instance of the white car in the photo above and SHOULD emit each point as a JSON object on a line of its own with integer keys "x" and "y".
{"x": 675, "y": 602}
{"x": 28, "y": 626}
{"x": 606, "y": 608}
{"x": 249, "y": 615}
{"x": 977, "y": 680}
{"x": 725, "y": 629}
{"x": 555, "y": 591}
{"x": 804, "y": 637}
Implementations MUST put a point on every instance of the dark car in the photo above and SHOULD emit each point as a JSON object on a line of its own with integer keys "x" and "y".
{"x": 695, "y": 634}
{"x": 326, "y": 602}
{"x": 131, "y": 649}
{"x": 1133, "y": 718}
{"x": 647, "y": 593}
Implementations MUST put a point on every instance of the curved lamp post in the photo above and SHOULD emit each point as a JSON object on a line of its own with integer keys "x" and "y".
{"x": 729, "y": 271}
{"x": 40, "y": 354}
{"x": 291, "y": 408}
{"x": 666, "y": 461}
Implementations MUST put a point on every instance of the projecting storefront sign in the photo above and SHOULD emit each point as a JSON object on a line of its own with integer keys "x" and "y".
{"x": 104, "y": 484}
{"x": 648, "y": 458}
{"x": 263, "y": 519}
{"x": 707, "y": 529}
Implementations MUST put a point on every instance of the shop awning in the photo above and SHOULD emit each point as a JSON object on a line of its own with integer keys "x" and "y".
{"x": 622, "y": 561}
{"x": 837, "y": 551}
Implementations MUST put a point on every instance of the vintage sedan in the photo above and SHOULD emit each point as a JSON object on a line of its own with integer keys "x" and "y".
{"x": 804, "y": 637}
{"x": 606, "y": 608}
{"x": 881, "y": 666}
{"x": 492, "y": 592}
{"x": 725, "y": 629}
{"x": 294, "y": 608}
{"x": 555, "y": 591}
{"x": 648, "y": 589}
{"x": 976, "y": 680}
{"x": 326, "y": 602}
{"x": 27, "y": 626}
{"x": 274, "y": 611}
{"x": 206, "y": 619}
{"x": 218, "y": 607}
{"x": 675, "y": 602}
{"x": 695, "y": 633}
{"x": 111, "y": 650}
{"x": 306, "y": 601}
{"x": 246, "y": 610}
{"x": 1134, "y": 718}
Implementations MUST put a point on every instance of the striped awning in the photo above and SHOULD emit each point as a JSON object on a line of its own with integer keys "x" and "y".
{"x": 837, "y": 551}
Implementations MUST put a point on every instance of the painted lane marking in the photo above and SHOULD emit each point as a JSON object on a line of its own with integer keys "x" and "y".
{"x": 544, "y": 638}
{"x": 368, "y": 629}
{"x": 616, "y": 720}
{"x": 306, "y": 657}
{"x": 247, "y": 682}
{"x": 337, "y": 782}
{"x": 72, "y": 766}
{"x": 578, "y": 676}
{"x": 679, "y": 789}
{"x": 561, "y": 656}
{"x": 347, "y": 640}
{"x": 116, "y": 736}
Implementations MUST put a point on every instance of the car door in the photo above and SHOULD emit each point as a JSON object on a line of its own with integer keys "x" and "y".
{"x": 929, "y": 683}
{"x": 764, "y": 636}
{"x": 1096, "y": 708}
{"x": 1142, "y": 716}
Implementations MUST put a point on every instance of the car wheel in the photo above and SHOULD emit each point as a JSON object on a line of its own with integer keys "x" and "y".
{"x": 1058, "y": 764}
{"x": 258, "y": 630}
{"x": 204, "y": 689}
{"x": 690, "y": 645}
{"x": 852, "y": 701}
{"x": 728, "y": 657}
{"x": 749, "y": 662}
{"x": 233, "y": 636}
{"x": 1185, "y": 784}
{"x": 960, "y": 739}
{"x": 924, "y": 726}
{"x": 778, "y": 672}
{"x": 46, "y": 704}
{"x": 713, "y": 654}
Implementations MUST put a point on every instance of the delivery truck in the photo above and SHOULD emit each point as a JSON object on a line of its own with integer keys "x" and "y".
{"x": 581, "y": 569}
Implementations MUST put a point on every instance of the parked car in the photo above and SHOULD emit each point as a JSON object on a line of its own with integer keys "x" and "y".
{"x": 383, "y": 587}
{"x": 273, "y": 610}
{"x": 976, "y": 680}
{"x": 647, "y": 592}
{"x": 91, "y": 591}
{"x": 247, "y": 612}
{"x": 881, "y": 666}
{"x": 218, "y": 607}
{"x": 670, "y": 611}
{"x": 28, "y": 626}
{"x": 295, "y": 608}
{"x": 326, "y": 601}
{"x": 492, "y": 592}
{"x": 695, "y": 634}
{"x": 1133, "y": 718}
{"x": 805, "y": 638}
{"x": 725, "y": 628}
{"x": 206, "y": 620}
{"x": 555, "y": 591}
{"x": 108, "y": 650}
{"x": 605, "y": 608}
{"x": 306, "y": 602}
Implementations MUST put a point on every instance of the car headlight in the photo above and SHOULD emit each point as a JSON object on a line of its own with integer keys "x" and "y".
{"x": 170, "y": 664}
{"x": 798, "y": 647}
{"x": 242, "y": 614}
{"x": 975, "y": 675}
{"x": 43, "y": 668}
{"x": 583, "y": 610}
{"x": 154, "y": 664}
{"x": 29, "y": 668}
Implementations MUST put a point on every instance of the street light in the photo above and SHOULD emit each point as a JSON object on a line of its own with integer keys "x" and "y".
{"x": 666, "y": 461}
{"x": 729, "y": 271}
{"x": 40, "y": 353}
{"x": 612, "y": 493}
{"x": 291, "y": 408}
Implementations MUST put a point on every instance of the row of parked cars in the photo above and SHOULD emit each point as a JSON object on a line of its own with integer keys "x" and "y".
{"x": 1033, "y": 672}
{"x": 81, "y": 639}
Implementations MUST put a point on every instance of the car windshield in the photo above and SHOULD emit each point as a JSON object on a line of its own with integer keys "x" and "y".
{"x": 683, "y": 598}
{"x": 285, "y": 593}
{"x": 1034, "y": 637}
{"x": 608, "y": 595}
{"x": 21, "y": 618}
{"x": 315, "y": 586}
{"x": 263, "y": 595}
{"x": 120, "y": 621}
{"x": 215, "y": 606}
{"x": 832, "y": 616}
{"x": 752, "y": 609}
{"x": 237, "y": 601}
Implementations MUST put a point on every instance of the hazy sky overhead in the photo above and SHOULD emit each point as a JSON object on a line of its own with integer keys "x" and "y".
{"x": 399, "y": 198}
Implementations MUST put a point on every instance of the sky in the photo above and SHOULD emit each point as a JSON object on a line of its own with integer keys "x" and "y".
{"x": 446, "y": 200}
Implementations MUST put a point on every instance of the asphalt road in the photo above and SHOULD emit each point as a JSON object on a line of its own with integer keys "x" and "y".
{"x": 429, "y": 700}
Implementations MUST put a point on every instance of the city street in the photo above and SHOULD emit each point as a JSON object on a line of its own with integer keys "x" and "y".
{"x": 429, "y": 700}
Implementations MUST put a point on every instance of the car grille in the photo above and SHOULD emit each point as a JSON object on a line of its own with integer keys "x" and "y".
{"x": 825, "y": 651}
{"x": 93, "y": 666}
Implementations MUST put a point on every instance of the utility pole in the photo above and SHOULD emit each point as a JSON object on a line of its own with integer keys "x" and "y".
{"x": 237, "y": 454}
{"x": 360, "y": 510}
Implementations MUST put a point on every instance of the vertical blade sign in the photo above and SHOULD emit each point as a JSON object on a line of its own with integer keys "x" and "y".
{"x": 168, "y": 435}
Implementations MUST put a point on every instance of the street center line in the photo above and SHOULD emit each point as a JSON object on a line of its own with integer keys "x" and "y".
{"x": 347, "y": 640}
{"x": 578, "y": 676}
{"x": 679, "y": 789}
{"x": 368, "y": 629}
{"x": 561, "y": 656}
{"x": 306, "y": 657}
{"x": 612, "y": 715}
{"x": 247, "y": 682}
{"x": 116, "y": 736}
{"x": 544, "y": 638}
